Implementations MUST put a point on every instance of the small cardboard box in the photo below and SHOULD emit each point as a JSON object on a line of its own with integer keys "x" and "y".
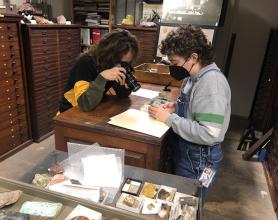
{"x": 155, "y": 74}
{"x": 2, "y": 9}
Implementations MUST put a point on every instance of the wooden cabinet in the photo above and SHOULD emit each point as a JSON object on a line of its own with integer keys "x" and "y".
{"x": 266, "y": 98}
{"x": 14, "y": 120}
{"x": 141, "y": 150}
{"x": 81, "y": 9}
{"x": 147, "y": 42}
{"x": 271, "y": 164}
{"x": 51, "y": 51}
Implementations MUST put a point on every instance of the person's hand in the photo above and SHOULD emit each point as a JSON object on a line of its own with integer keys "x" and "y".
{"x": 170, "y": 106}
{"x": 116, "y": 73}
{"x": 159, "y": 113}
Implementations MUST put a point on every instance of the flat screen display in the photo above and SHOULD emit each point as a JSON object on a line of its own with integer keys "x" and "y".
{"x": 198, "y": 12}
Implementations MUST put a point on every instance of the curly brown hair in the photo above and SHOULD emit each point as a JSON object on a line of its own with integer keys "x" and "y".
{"x": 187, "y": 40}
{"x": 112, "y": 47}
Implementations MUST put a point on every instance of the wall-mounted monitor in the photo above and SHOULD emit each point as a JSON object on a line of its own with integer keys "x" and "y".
{"x": 153, "y": 1}
{"x": 165, "y": 29}
{"x": 197, "y": 12}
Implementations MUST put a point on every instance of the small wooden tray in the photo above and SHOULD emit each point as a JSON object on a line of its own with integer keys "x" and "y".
{"x": 155, "y": 74}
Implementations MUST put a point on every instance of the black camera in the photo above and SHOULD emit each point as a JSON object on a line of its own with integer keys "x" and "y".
{"x": 130, "y": 80}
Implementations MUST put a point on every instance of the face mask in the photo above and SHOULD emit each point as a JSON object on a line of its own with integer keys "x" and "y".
{"x": 178, "y": 72}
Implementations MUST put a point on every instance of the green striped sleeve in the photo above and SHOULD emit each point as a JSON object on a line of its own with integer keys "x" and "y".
{"x": 219, "y": 119}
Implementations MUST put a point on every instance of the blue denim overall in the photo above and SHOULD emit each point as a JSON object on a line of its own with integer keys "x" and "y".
{"x": 190, "y": 159}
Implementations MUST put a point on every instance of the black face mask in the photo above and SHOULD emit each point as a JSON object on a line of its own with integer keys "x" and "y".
{"x": 178, "y": 72}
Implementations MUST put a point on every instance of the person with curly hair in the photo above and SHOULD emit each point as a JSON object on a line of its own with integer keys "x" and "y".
{"x": 98, "y": 70}
{"x": 200, "y": 116}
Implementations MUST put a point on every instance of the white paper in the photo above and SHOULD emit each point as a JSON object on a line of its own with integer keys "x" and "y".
{"x": 140, "y": 121}
{"x": 146, "y": 93}
{"x": 85, "y": 36}
{"x": 92, "y": 194}
{"x": 84, "y": 211}
{"x": 102, "y": 170}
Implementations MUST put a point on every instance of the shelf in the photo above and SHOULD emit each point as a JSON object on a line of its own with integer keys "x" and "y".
{"x": 82, "y": 8}
{"x": 92, "y": 10}
{"x": 135, "y": 27}
{"x": 86, "y": 45}
{"x": 96, "y": 26}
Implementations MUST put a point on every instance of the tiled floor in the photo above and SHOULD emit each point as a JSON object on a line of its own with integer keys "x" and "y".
{"x": 240, "y": 192}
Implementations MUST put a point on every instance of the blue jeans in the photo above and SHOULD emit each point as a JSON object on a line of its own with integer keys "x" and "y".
{"x": 191, "y": 159}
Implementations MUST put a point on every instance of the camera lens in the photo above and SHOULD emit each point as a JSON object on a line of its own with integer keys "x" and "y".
{"x": 130, "y": 80}
{"x": 132, "y": 83}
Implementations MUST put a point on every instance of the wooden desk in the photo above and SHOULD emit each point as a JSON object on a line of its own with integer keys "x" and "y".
{"x": 142, "y": 150}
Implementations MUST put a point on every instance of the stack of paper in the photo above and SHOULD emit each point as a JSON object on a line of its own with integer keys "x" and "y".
{"x": 84, "y": 192}
{"x": 140, "y": 121}
{"x": 102, "y": 170}
{"x": 146, "y": 93}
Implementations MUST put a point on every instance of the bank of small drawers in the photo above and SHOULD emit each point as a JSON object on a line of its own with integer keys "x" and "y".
{"x": 13, "y": 120}
{"x": 147, "y": 40}
{"x": 53, "y": 51}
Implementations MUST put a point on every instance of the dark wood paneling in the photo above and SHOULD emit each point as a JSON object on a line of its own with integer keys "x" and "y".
{"x": 146, "y": 38}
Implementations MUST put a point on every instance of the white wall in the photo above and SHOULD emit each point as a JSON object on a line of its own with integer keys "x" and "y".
{"x": 252, "y": 23}
{"x": 17, "y": 2}
{"x": 61, "y": 7}
{"x": 223, "y": 36}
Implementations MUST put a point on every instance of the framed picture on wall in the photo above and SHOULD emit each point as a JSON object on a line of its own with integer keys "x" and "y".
{"x": 165, "y": 29}
{"x": 197, "y": 12}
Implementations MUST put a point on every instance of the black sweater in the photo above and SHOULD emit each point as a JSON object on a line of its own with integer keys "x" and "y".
{"x": 86, "y": 86}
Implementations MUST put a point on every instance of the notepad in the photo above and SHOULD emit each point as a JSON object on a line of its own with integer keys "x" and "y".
{"x": 140, "y": 121}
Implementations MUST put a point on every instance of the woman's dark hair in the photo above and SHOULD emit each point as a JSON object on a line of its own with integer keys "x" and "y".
{"x": 187, "y": 40}
{"x": 112, "y": 47}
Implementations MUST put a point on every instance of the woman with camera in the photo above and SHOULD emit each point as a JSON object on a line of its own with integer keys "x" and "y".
{"x": 98, "y": 70}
